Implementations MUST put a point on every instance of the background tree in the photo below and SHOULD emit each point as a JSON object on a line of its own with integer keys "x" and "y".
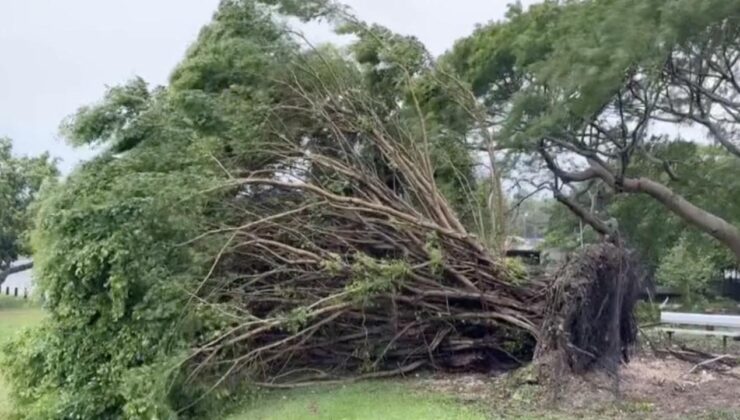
{"x": 588, "y": 96}
{"x": 21, "y": 178}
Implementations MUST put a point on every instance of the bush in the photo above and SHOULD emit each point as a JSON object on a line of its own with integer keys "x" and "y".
{"x": 114, "y": 280}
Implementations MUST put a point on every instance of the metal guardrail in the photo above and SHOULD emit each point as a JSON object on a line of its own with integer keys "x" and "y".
{"x": 730, "y": 325}
{"x": 722, "y": 321}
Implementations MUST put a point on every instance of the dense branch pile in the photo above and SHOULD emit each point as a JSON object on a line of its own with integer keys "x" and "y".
{"x": 349, "y": 260}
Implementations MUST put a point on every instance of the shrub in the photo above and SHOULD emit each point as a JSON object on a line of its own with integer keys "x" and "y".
{"x": 114, "y": 281}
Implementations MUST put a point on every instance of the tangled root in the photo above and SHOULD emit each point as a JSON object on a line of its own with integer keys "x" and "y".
{"x": 588, "y": 322}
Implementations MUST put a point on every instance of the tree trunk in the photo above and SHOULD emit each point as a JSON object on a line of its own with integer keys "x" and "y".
{"x": 14, "y": 269}
{"x": 717, "y": 227}
{"x": 496, "y": 205}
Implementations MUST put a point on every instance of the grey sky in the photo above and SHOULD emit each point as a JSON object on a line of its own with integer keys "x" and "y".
{"x": 58, "y": 55}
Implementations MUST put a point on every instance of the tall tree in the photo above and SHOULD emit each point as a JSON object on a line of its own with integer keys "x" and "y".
{"x": 592, "y": 81}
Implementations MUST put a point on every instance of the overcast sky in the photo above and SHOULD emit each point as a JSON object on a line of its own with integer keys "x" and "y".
{"x": 58, "y": 55}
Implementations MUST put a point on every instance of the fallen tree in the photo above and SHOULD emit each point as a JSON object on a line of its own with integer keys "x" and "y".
{"x": 336, "y": 270}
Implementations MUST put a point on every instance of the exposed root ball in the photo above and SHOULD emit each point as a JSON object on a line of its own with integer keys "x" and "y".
{"x": 588, "y": 321}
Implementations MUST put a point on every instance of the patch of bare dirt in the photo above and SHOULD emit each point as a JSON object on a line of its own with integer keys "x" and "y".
{"x": 648, "y": 387}
{"x": 668, "y": 385}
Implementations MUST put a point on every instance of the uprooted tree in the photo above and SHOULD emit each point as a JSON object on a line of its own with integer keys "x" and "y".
{"x": 278, "y": 217}
{"x": 337, "y": 268}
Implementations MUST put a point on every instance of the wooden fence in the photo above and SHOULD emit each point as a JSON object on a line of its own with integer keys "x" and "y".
{"x": 15, "y": 291}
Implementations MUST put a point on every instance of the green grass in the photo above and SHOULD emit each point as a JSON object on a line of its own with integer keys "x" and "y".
{"x": 364, "y": 401}
{"x": 15, "y": 303}
{"x": 14, "y": 315}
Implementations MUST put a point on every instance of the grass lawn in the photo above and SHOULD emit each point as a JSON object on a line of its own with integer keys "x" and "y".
{"x": 363, "y": 401}
{"x": 14, "y": 315}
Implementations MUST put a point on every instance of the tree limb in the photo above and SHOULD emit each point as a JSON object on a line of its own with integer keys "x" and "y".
{"x": 589, "y": 218}
{"x": 708, "y": 222}
{"x": 13, "y": 270}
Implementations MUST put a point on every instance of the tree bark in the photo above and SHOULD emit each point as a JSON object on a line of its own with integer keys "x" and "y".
{"x": 715, "y": 226}
{"x": 13, "y": 270}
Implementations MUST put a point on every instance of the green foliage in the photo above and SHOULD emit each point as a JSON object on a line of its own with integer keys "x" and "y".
{"x": 686, "y": 269}
{"x": 565, "y": 231}
{"x": 398, "y": 72}
{"x": 20, "y": 180}
{"x": 551, "y": 70}
{"x": 109, "y": 242}
{"x": 389, "y": 61}
{"x": 233, "y": 52}
{"x": 334, "y": 264}
{"x": 454, "y": 171}
{"x": 704, "y": 174}
{"x": 15, "y": 315}
{"x": 114, "y": 281}
{"x": 516, "y": 270}
{"x": 117, "y": 121}
{"x": 227, "y": 85}
{"x": 307, "y": 10}
{"x": 371, "y": 276}
{"x": 147, "y": 391}
{"x": 577, "y": 54}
